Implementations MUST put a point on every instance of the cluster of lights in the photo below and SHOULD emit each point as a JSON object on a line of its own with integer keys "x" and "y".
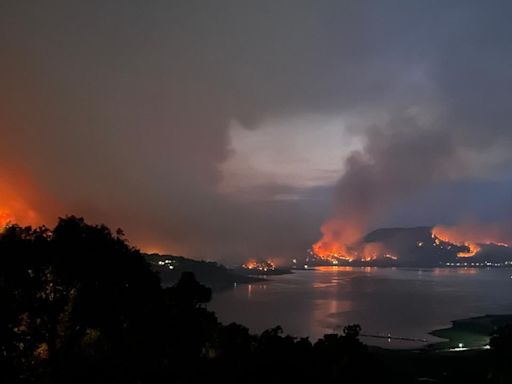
{"x": 482, "y": 264}
{"x": 168, "y": 263}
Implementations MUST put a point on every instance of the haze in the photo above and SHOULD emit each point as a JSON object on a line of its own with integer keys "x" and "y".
{"x": 233, "y": 129}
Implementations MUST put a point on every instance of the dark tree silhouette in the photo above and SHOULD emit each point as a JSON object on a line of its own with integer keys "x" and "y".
{"x": 75, "y": 294}
{"x": 80, "y": 305}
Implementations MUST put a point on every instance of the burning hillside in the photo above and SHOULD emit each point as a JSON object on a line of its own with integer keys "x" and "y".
{"x": 418, "y": 246}
{"x": 470, "y": 236}
{"x": 343, "y": 243}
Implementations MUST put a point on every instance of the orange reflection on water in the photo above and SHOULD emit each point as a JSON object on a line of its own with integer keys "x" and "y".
{"x": 326, "y": 268}
{"x": 467, "y": 271}
{"x": 342, "y": 268}
{"x": 458, "y": 271}
{"x": 440, "y": 271}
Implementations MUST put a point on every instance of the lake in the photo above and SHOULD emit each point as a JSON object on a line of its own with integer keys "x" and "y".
{"x": 397, "y": 301}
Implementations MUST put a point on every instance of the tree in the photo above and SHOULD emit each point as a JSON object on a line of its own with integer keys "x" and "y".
{"x": 72, "y": 292}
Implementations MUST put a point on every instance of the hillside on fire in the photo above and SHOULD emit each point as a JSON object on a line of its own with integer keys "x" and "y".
{"x": 413, "y": 247}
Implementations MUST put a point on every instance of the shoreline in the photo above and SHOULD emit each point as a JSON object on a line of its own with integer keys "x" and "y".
{"x": 469, "y": 333}
{"x": 464, "y": 335}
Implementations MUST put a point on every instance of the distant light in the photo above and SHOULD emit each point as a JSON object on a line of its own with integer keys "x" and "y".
{"x": 461, "y": 345}
{"x": 306, "y": 267}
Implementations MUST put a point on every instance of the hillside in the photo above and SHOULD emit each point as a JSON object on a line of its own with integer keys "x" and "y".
{"x": 416, "y": 247}
{"x": 209, "y": 273}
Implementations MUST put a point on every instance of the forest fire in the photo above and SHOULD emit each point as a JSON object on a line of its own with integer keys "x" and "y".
{"x": 470, "y": 236}
{"x": 439, "y": 235}
{"x": 16, "y": 212}
{"x": 264, "y": 266}
{"x": 18, "y": 196}
{"x": 5, "y": 219}
{"x": 341, "y": 242}
{"x": 337, "y": 237}
{"x": 24, "y": 217}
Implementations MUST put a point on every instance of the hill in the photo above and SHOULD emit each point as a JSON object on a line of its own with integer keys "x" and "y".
{"x": 209, "y": 273}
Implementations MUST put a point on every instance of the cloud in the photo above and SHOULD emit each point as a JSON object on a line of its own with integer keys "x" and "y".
{"x": 163, "y": 118}
{"x": 299, "y": 152}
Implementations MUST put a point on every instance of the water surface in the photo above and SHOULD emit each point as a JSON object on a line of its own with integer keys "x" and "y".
{"x": 396, "y": 301}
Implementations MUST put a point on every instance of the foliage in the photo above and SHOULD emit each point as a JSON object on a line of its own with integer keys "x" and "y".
{"x": 80, "y": 305}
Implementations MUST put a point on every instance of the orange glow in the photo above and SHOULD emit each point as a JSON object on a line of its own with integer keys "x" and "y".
{"x": 324, "y": 268}
{"x": 452, "y": 235}
{"x": 469, "y": 235}
{"x": 372, "y": 251}
{"x": 472, "y": 250}
{"x": 337, "y": 236}
{"x": 5, "y": 219}
{"x": 265, "y": 265}
{"x": 341, "y": 241}
{"x": 155, "y": 249}
{"x": 14, "y": 203}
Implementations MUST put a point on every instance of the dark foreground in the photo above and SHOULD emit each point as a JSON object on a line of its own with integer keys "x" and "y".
{"x": 79, "y": 305}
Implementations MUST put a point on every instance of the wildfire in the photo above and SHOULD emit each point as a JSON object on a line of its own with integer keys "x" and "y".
{"x": 471, "y": 236}
{"x": 472, "y": 250}
{"x": 334, "y": 244}
{"x": 373, "y": 251}
{"x": 341, "y": 241}
{"x": 264, "y": 266}
{"x": 18, "y": 196}
{"x": 23, "y": 216}
{"x": 5, "y": 219}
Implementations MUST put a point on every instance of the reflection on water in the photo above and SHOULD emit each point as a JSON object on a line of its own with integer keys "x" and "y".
{"x": 395, "y": 301}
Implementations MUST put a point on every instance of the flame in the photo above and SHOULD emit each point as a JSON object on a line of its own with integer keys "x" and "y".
{"x": 341, "y": 241}
{"x": 473, "y": 249}
{"x": 371, "y": 251}
{"x": 6, "y": 218}
{"x": 265, "y": 265}
{"x": 469, "y": 235}
{"x": 337, "y": 236}
{"x": 18, "y": 195}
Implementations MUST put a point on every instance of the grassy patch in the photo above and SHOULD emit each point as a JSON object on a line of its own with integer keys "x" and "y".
{"x": 472, "y": 333}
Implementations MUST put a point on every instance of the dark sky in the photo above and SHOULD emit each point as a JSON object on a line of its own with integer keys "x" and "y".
{"x": 233, "y": 129}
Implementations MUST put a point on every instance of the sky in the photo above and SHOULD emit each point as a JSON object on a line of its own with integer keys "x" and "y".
{"x": 224, "y": 130}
